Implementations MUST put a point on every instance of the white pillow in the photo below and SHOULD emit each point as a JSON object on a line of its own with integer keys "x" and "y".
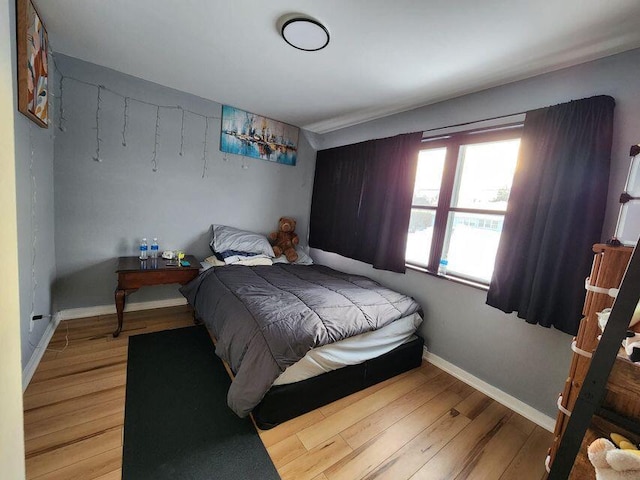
{"x": 225, "y": 238}
{"x": 303, "y": 259}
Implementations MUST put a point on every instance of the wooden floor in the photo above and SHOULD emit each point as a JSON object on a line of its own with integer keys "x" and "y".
{"x": 423, "y": 424}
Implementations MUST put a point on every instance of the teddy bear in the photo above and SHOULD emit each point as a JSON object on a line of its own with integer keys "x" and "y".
{"x": 284, "y": 241}
{"x": 612, "y": 463}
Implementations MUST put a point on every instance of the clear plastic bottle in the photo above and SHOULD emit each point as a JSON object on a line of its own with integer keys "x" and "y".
{"x": 442, "y": 268}
{"x": 143, "y": 249}
{"x": 154, "y": 248}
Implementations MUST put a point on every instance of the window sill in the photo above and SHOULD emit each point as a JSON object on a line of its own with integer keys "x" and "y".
{"x": 462, "y": 281}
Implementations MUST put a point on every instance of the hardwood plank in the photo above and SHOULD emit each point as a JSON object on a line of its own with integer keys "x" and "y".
{"x": 110, "y": 319}
{"x": 73, "y": 391}
{"x": 284, "y": 430}
{"x": 159, "y": 327}
{"x": 103, "y": 333}
{"x": 429, "y": 369}
{"x": 87, "y": 333}
{"x": 113, "y": 475}
{"x": 367, "y": 428}
{"x": 462, "y": 389}
{"x": 85, "y": 347}
{"x": 67, "y": 455}
{"x": 176, "y": 311}
{"x": 422, "y": 448}
{"x": 529, "y": 462}
{"x": 93, "y": 375}
{"x": 341, "y": 403}
{"x": 83, "y": 322}
{"x": 82, "y": 414}
{"x": 95, "y": 332}
{"x": 320, "y": 477}
{"x": 90, "y": 468}
{"x": 286, "y": 450}
{"x": 334, "y": 424}
{"x": 72, "y": 405}
{"x": 316, "y": 461}
{"x": 65, "y": 365}
{"x": 72, "y": 434}
{"x": 474, "y": 405}
{"x": 494, "y": 458}
{"x": 365, "y": 459}
{"x": 466, "y": 446}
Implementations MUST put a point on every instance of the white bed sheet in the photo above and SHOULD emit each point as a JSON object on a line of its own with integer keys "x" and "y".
{"x": 351, "y": 351}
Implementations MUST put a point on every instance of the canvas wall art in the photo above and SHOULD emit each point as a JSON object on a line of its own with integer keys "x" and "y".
{"x": 251, "y": 135}
{"x": 33, "y": 64}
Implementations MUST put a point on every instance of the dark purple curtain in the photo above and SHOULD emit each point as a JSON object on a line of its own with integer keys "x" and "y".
{"x": 555, "y": 213}
{"x": 362, "y": 200}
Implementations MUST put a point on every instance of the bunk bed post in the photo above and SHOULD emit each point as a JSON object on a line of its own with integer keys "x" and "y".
{"x": 593, "y": 388}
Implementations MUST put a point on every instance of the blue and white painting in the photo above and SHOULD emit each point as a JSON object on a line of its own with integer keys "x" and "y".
{"x": 251, "y": 135}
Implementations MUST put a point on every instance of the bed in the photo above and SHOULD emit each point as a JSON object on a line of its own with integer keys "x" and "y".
{"x": 297, "y": 337}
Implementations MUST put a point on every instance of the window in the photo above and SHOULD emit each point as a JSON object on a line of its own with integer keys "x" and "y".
{"x": 460, "y": 198}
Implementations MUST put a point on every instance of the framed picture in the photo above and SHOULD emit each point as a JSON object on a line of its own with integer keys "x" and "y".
{"x": 251, "y": 135}
{"x": 33, "y": 64}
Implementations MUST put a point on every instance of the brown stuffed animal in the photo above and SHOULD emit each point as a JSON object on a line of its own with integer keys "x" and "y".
{"x": 284, "y": 241}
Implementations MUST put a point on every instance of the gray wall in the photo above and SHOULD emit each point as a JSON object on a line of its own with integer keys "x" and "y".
{"x": 526, "y": 361}
{"x": 36, "y": 265}
{"x": 103, "y": 209}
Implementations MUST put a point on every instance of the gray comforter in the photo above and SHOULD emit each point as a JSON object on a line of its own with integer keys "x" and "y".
{"x": 267, "y": 318}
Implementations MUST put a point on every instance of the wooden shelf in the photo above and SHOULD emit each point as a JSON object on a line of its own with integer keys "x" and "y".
{"x": 623, "y": 389}
{"x": 600, "y": 427}
{"x": 625, "y": 376}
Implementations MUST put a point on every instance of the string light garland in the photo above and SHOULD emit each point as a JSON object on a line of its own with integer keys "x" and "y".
{"x": 34, "y": 246}
{"x": 62, "y": 119}
{"x": 143, "y": 102}
{"x": 154, "y": 160}
{"x": 126, "y": 117}
{"x": 204, "y": 150}
{"x": 182, "y": 133}
{"x": 97, "y": 157}
{"x": 34, "y": 201}
{"x": 34, "y": 223}
{"x": 125, "y": 121}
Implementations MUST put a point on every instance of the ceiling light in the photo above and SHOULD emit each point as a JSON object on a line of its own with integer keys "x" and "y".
{"x": 305, "y": 34}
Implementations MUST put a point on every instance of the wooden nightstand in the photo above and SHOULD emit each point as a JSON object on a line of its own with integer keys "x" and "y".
{"x": 134, "y": 273}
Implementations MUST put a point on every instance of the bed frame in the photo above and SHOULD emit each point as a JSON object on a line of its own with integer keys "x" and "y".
{"x": 284, "y": 402}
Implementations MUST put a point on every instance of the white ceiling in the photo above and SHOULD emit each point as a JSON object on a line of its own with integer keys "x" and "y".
{"x": 385, "y": 56}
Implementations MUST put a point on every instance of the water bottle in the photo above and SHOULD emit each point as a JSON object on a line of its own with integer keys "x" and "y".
{"x": 154, "y": 248}
{"x": 442, "y": 267}
{"x": 143, "y": 249}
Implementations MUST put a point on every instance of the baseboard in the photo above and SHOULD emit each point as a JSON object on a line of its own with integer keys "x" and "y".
{"x": 518, "y": 406}
{"x": 75, "y": 313}
{"x": 36, "y": 356}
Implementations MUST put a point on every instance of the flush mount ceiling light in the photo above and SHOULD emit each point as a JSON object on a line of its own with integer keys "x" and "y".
{"x": 305, "y": 34}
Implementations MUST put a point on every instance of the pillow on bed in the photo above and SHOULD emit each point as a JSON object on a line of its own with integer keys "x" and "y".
{"x": 303, "y": 259}
{"x": 225, "y": 238}
{"x": 212, "y": 261}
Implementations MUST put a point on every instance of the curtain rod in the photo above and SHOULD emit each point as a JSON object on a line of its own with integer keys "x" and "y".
{"x": 464, "y": 124}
